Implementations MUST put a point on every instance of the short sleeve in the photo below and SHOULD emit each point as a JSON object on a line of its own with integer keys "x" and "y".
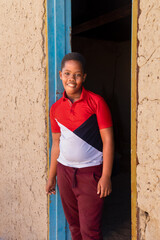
{"x": 103, "y": 114}
{"x": 54, "y": 126}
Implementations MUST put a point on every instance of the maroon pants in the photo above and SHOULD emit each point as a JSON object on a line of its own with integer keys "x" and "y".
{"x": 82, "y": 206}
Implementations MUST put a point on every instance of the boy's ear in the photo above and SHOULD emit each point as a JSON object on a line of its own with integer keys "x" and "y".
{"x": 60, "y": 74}
{"x": 84, "y": 77}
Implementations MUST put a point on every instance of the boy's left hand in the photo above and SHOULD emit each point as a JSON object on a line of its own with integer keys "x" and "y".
{"x": 104, "y": 186}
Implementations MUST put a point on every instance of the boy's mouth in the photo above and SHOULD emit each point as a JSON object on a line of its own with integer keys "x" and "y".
{"x": 72, "y": 85}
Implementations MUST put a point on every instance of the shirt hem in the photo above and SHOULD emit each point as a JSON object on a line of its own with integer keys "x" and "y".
{"x": 79, "y": 165}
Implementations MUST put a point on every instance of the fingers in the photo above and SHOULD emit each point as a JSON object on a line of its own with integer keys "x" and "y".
{"x": 109, "y": 191}
{"x": 106, "y": 193}
{"x": 50, "y": 192}
{"x": 103, "y": 192}
{"x": 98, "y": 188}
{"x": 51, "y": 186}
{"x": 50, "y": 189}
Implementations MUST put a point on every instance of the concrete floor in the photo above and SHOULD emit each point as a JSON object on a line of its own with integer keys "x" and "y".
{"x": 117, "y": 209}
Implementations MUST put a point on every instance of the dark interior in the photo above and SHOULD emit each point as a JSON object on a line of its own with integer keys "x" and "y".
{"x": 101, "y": 31}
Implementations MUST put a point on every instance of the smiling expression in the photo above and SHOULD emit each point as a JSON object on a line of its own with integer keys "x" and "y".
{"x": 72, "y": 77}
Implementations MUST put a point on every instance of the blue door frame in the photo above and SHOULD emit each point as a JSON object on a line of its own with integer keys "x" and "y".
{"x": 59, "y": 31}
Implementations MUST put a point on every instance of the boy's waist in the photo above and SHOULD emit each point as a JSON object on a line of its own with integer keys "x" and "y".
{"x": 83, "y": 169}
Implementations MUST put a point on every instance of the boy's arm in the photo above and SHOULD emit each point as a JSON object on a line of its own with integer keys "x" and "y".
{"x": 104, "y": 186}
{"x": 50, "y": 187}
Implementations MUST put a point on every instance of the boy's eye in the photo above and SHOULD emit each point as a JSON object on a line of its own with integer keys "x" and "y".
{"x": 78, "y": 75}
{"x": 67, "y": 73}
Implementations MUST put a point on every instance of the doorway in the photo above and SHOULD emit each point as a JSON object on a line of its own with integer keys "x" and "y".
{"x": 102, "y": 33}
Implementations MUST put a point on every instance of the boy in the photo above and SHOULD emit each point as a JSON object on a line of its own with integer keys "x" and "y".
{"x": 82, "y": 139}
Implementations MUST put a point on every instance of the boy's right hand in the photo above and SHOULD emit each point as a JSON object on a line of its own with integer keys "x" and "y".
{"x": 50, "y": 186}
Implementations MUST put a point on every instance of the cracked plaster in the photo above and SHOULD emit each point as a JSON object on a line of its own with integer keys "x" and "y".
{"x": 23, "y": 208}
{"x": 148, "y": 132}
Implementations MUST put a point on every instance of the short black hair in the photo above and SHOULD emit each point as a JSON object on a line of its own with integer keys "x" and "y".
{"x": 74, "y": 56}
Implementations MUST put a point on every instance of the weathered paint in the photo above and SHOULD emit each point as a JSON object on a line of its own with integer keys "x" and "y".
{"x": 59, "y": 24}
{"x": 47, "y": 104}
{"x": 134, "y": 120}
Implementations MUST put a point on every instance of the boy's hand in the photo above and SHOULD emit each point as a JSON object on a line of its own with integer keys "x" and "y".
{"x": 104, "y": 186}
{"x": 50, "y": 186}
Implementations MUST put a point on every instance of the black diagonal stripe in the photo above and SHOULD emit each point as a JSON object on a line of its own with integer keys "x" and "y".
{"x": 89, "y": 132}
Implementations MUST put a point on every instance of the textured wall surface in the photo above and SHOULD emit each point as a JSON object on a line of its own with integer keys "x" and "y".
{"x": 148, "y": 169}
{"x": 23, "y": 156}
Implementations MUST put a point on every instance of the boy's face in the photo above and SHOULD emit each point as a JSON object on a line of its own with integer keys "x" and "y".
{"x": 72, "y": 77}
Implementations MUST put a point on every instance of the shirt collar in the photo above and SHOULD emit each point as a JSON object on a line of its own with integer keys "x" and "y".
{"x": 82, "y": 97}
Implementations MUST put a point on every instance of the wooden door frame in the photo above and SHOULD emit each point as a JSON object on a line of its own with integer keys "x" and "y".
{"x": 57, "y": 39}
{"x": 134, "y": 89}
{"x": 133, "y": 115}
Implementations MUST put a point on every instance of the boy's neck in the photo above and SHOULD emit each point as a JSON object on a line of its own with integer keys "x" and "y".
{"x": 74, "y": 97}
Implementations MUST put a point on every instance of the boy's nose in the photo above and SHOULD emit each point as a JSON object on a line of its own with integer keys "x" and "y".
{"x": 72, "y": 76}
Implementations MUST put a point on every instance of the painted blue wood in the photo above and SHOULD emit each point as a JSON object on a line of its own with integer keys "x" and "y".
{"x": 59, "y": 25}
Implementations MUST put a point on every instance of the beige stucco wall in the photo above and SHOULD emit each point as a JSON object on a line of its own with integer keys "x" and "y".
{"x": 23, "y": 155}
{"x": 148, "y": 135}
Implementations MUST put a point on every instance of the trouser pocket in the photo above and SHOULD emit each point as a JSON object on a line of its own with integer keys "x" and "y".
{"x": 96, "y": 174}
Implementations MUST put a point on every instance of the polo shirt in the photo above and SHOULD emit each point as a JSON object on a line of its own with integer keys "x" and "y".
{"x": 79, "y": 124}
